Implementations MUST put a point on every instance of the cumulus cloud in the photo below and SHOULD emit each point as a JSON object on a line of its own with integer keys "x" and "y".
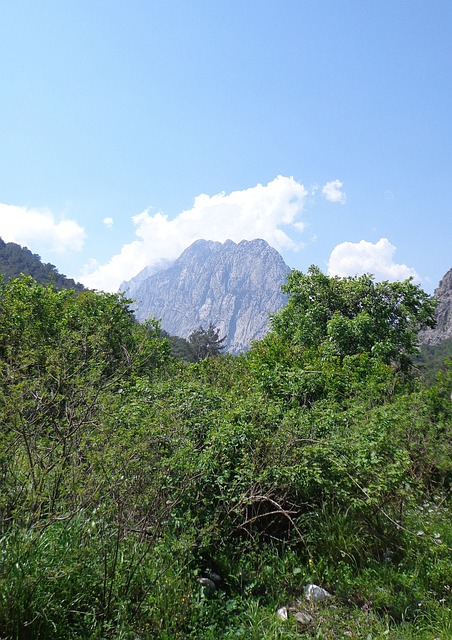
{"x": 267, "y": 211}
{"x": 108, "y": 222}
{"x": 350, "y": 259}
{"x": 332, "y": 191}
{"x": 40, "y": 229}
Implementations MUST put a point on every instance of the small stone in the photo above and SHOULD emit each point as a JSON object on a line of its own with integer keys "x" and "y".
{"x": 282, "y": 613}
{"x": 213, "y": 576}
{"x": 302, "y": 617}
{"x": 207, "y": 582}
{"x": 315, "y": 593}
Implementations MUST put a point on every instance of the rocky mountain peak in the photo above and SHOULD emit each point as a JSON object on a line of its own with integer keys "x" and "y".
{"x": 233, "y": 286}
{"x": 443, "y": 329}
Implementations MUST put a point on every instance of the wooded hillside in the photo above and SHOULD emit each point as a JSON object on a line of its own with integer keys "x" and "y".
{"x": 16, "y": 260}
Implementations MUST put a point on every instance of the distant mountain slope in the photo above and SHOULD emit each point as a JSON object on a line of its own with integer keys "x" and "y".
{"x": 234, "y": 286}
{"x": 15, "y": 260}
{"x": 443, "y": 329}
{"x": 130, "y": 287}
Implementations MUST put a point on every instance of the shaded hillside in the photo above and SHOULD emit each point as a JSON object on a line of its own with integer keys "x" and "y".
{"x": 434, "y": 358}
{"x": 15, "y": 260}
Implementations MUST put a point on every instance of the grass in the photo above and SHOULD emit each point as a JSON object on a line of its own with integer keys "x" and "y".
{"x": 70, "y": 580}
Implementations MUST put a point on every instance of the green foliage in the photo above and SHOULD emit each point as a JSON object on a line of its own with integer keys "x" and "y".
{"x": 126, "y": 474}
{"x": 354, "y": 315}
{"x": 180, "y": 349}
{"x": 62, "y": 355}
{"x": 433, "y": 359}
{"x": 300, "y": 375}
{"x": 205, "y": 343}
{"x": 202, "y": 343}
{"x": 78, "y": 578}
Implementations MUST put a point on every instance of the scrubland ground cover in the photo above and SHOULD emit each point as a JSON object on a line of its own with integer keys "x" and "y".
{"x": 126, "y": 475}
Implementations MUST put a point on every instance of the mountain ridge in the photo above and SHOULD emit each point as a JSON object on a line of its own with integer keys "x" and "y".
{"x": 233, "y": 286}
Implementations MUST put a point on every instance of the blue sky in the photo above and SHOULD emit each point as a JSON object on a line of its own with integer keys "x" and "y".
{"x": 128, "y": 129}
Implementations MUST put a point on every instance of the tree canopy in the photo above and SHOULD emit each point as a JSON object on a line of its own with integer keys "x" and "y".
{"x": 205, "y": 343}
{"x": 354, "y": 315}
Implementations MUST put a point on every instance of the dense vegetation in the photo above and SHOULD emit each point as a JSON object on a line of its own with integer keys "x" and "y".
{"x": 127, "y": 475}
{"x": 433, "y": 358}
{"x": 201, "y": 343}
{"x": 16, "y": 260}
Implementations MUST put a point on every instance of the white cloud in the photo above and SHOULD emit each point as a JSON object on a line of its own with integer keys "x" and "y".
{"x": 332, "y": 191}
{"x": 350, "y": 259}
{"x": 108, "y": 222}
{"x": 40, "y": 230}
{"x": 264, "y": 211}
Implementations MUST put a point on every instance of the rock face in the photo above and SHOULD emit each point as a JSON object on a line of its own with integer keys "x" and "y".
{"x": 131, "y": 287}
{"x": 443, "y": 327}
{"x": 233, "y": 286}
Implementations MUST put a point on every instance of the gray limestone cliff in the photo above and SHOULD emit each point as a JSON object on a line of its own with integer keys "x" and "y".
{"x": 443, "y": 329}
{"x": 233, "y": 286}
{"x": 130, "y": 287}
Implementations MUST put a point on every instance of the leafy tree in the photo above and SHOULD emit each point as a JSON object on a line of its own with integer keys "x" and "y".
{"x": 355, "y": 315}
{"x": 180, "y": 347}
{"x": 205, "y": 343}
{"x": 342, "y": 338}
{"x": 62, "y": 357}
